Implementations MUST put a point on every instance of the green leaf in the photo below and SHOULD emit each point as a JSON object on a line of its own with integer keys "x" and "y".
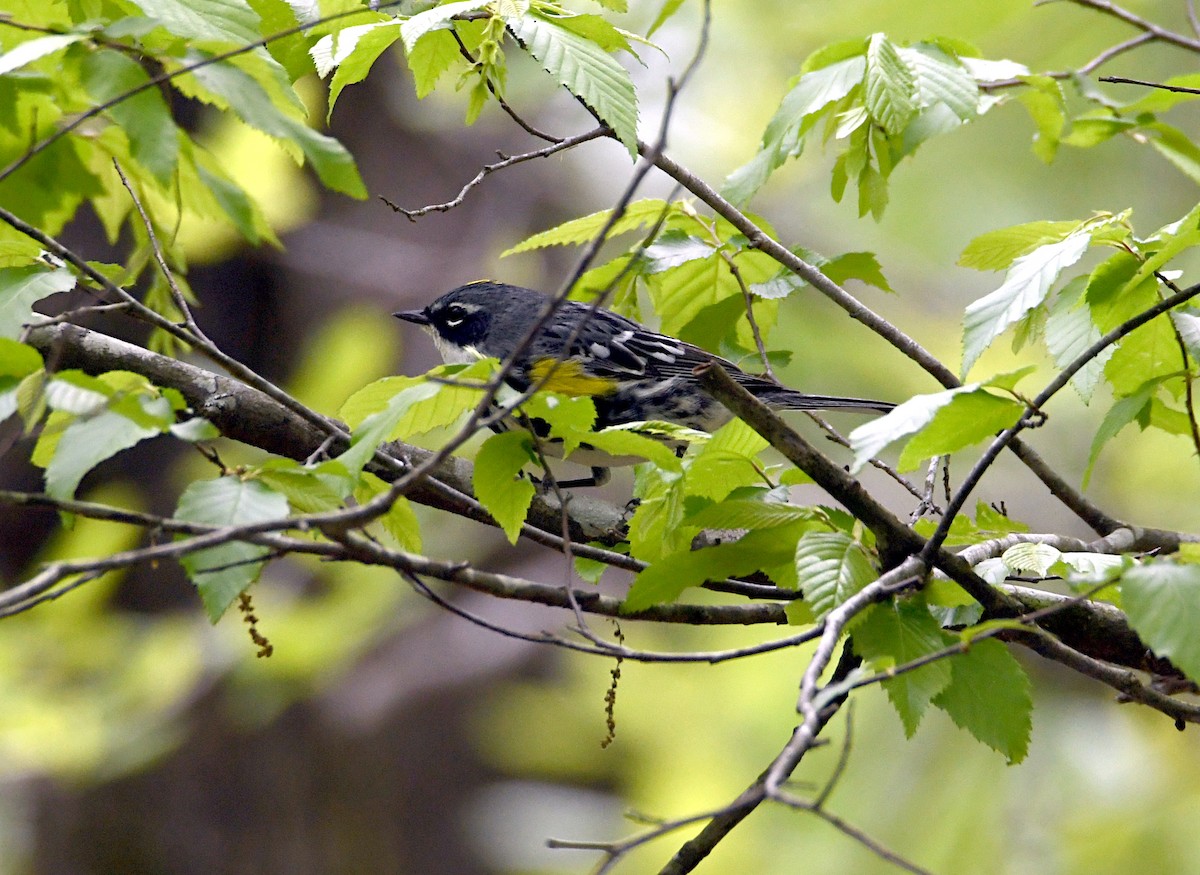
{"x": 21, "y": 287}
{"x": 785, "y": 133}
{"x": 742, "y": 513}
{"x": 666, "y": 579}
{"x": 30, "y": 50}
{"x": 968, "y": 418}
{"x": 988, "y": 696}
{"x": 831, "y": 567}
{"x": 1025, "y": 286}
{"x": 378, "y": 427}
{"x": 1070, "y": 331}
{"x": 224, "y": 572}
{"x": 665, "y": 12}
{"x": 890, "y": 88}
{"x": 400, "y": 521}
{"x": 996, "y": 250}
{"x": 246, "y": 97}
{"x": 1162, "y": 600}
{"x": 422, "y": 23}
{"x": 304, "y": 488}
{"x": 892, "y": 634}
{"x": 1044, "y": 101}
{"x": 1031, "y": 558}
{"x": 432, "y": 56}
{"x": 1123, "y": 412}
{"x": 145, "y": 118}
{"x": 675, "y": 248}
{"x": 623, "y": 440}
{"x": 584, "y": 69}
{"x": 498, "y": 486}
{"x": 88, "y": 441}
{"x": 352, "y": 52}
{"x": 941, "y": 80}
{"x": 639, "y": 214}
{"x": 920, "y": 411}
{"x": 861, "y": 266}
{"x": 223, "y": 21}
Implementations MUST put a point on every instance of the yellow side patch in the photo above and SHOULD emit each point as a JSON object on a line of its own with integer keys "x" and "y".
{"x": 569, "y": 378}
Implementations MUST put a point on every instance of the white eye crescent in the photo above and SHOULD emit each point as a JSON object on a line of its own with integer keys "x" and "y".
{"x": 454, "y": 323}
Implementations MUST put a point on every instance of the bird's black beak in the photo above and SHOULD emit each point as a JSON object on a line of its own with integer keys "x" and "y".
{"x": 416, "y": 317}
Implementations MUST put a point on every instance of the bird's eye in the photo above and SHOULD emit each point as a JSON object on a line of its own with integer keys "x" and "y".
{"x": 455, "y": 316}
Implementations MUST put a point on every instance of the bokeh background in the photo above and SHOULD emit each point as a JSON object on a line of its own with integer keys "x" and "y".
{"x": 385, "y": 735}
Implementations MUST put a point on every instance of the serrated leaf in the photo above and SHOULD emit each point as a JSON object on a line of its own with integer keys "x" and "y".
{"x": 504, "y": 494}
{"x": 996, "y": 250}
{"x": 304, "y": 488}
{"x": 623, "y": 441}
{"x": 1069, "y": 332}
{"x": 1025, "y": 286}
{"x": 988, "y": 696}
{"x": 968, "y": 418}
{"x": 400, "y": 521}
{"x": 30, "y": 50}
{"x": 225, "y": 21}
{"x": 1031, "y": 557}
{"x": 920, "y": 411}
{"x": 1123, "y": 412}
{"x": 224, "y": 572}
{"x": 668, "y": 9}
{"x": 246, "y": 97}
{"x": 746, "y": 514}
{"x": 861, "y": 266}
{"x": 890, "y": 88}
{"x": 941, "y": 79}
{"x": 666, "y": 579}
{"x": 1162, "y": 600}
{"x": 675, "y": 248}
{"x": 891, "y": 634}
{"x": 352, "y": 52}
{"x": 831, "y": 567}
{"x": 422, "y": 23}
{"x": 639, "y": 214}
{"x": 144, "y": 117}
{"x": 378, "y": 427}
{"x": 785, "y": 133}
{"x": 87, "y": 442}
{"x": 21, "y": 287}
{"x": 584, "y": 69}
{"x": 1187, "y": 323}
{"x": 432, "y": 56}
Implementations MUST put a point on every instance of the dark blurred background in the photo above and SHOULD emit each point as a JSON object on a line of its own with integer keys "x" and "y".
{"x": 387, "y": 736}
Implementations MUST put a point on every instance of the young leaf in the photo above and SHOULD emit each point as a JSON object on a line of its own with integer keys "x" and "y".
{"x": 1025, "y": 286}
{"x": 221, "y": 21}
{"x": 988, "y": 696}
{"x": 968, "y": 418}
{"x": 21, "y": 287}
{"x": 432, "y": 56}
{"x": 1069, "y": 332}
{"x": 639, "y": 214}
{"x": 1162, "y": 600}
{"x": 957, "y": 428}
{"x": 890, "y": 88}
{"x": 668, "y": 577}
{"x": 894, "y": 633}
{"x": 224, "y": 572}
{"x": 584, "y": 69}
{"x": 91, "y": 439}
{"x": 400, "y": 521}
{"x": 785, "y": 133}
{"x": 245, "y": 96}
{"x": 742, "y": 513}
{"x": 996, "y": 250}
{"x": 831, "y": 567}
{"x": 422, "y": 23}
{"x": 504, "y": 494}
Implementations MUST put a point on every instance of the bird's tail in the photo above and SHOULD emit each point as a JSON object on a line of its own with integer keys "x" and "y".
{"x": 789, "y": 399}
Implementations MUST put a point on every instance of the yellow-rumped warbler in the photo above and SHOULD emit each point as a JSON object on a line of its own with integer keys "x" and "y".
{"x": 632, "y": 374}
